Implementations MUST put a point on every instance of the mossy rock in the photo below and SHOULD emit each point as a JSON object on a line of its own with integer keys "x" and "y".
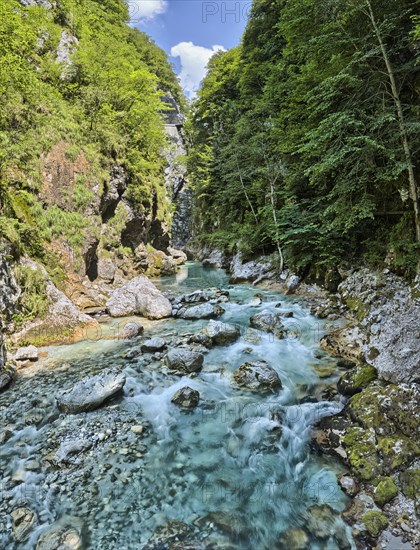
{"x": 361, "y": 451}
{"x": 396, "y": 451}
{"x": 354, "y": 381}
{"x": 375, "y": 522}
{"x": 357, "y": 307}
{"x": 385, "y": 491}
{"x": 410, "y": 483}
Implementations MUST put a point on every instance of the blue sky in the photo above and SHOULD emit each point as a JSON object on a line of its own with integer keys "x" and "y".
{"x": 190, "y": 31}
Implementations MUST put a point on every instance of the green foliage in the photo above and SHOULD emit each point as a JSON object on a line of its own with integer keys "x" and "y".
{"x": 305, "y": 102}
{"x": 32, "y": 303}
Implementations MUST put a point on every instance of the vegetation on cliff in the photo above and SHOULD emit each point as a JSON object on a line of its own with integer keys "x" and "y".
{"x": 305, "y": 138}
{"x": 81, "y": 99}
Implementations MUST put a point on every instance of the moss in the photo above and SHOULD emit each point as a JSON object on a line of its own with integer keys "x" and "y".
{"x": 385, "y": 491}
{"x": 361, "y": 451}
{"x": 33, "y": 302}
{"x": 365, "y": 407}
{"x": 355, "y": 381}
{"x": 375, "y": 522}
{"x": 357, "y": 307}
{"x": 397, "y": 450}
{"x": 410, "y": 483}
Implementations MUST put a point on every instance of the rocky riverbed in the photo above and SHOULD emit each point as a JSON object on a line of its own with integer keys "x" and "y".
{"x": 191, "y": 433}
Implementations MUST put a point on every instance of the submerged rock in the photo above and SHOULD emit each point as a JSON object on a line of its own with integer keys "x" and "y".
{"x": 153, "y": 344}
{"x": 69, "y": 449}
{"x": 23, "y": 520}
{"x": 320, "y": 521}
{"x": 222, "y": 333}
{"x": 294, "y": 539}
{"x": 184, "y": 361}
{"x": 257, "y": 375}
{"x": 139, "y": 297}
{"x": 90, "y": 393}
{"x": 186, "y": 397}
{"x": 268, "y": 322}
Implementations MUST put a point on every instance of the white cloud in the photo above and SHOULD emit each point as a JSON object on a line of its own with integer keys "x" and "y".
{"x": 141, "y": 10}
{"x": 194, "y": 61}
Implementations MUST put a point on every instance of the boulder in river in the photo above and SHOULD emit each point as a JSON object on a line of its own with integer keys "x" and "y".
{"x": 184, "y": 361}
{"x": 153, "y": 344}
{"x": 186, "y": 398}
{"x": 27, "y": 353}
{"x": 61, "y": 536}
{"x": 268, "y": 321}
{"x": 131, "y": 330}
{"x": 294, "y": 539}
{"x": 257, "y": 376}
{"x": 90, "y": 393}
{"x": 23, "y": 520}
{"x": 200, "y": 311}
{"x": 139, "y": 297}
{"x": 222, "y": 333}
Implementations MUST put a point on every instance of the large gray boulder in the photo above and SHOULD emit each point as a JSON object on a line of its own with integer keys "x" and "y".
{"x": 27, "y": 353}
{"x": 62, "y": 536}
{"x": 257, "y": 376}
{"x": 268, "y": 321}
{"x": 200, "y": 311}
{"x": 184, "y": 361}
{"x": 153, "y": 344}
{"x": 186, "y": 398}
{"x": 139, "y": 297}
{"x": 222, "y": 333}
{"x": 90, "y": 393}
{"x": 250, "y": 271}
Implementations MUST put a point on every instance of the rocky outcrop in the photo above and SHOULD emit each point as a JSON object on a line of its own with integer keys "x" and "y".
{"x": 257, "y": 376}
{"x": 89, "y": 394}
{"x": 222, "y": 333}
{"x": 254, "y": 270}
{"x": 184, "y": 361}
{"x": 63, "y": 320}
{"x": 139, "y": 297}
{"x": 216, "y": 258}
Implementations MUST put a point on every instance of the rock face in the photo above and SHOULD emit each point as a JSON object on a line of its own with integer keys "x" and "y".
{"x": 257, "y": 376}
{"x": 388, "y": 313}
{"x": 215, "y": 259}
{"x": 186, "y": 398}
{"x": 250, "y": 271}
{"x": 90, "y": 393}
{"x": 139, "y": 297}
{"x": 184, "y": 361}
{"x": 268, "y": 322}
{"x": 222, "y": 333}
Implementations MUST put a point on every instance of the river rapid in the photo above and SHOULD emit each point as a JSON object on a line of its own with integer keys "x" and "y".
{"x": 237, "y": 472}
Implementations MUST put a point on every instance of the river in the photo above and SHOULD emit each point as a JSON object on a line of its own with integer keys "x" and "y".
{"x": 235, "y": 473}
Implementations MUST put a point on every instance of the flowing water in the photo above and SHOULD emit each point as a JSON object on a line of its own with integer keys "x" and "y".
{"x": 237, "y": 471}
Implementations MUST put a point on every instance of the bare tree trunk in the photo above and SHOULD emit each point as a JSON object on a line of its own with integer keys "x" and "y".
{"x": 245, "y": 191}
{"x": 401, "y": 121}
{"x": 273, "y": 208}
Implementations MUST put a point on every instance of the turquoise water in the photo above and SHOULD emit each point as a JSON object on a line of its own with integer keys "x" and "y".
{"x": 237, "y": 470}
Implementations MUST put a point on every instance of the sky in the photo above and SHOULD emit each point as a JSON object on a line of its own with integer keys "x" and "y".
{"x": 191, "y": 31}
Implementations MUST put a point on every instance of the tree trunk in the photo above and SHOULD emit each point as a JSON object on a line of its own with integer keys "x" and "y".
{"x": 401, "y": 122}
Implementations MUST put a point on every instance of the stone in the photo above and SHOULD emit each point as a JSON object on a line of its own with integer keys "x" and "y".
{"x": 131, "y": 330}
{"x": 222, "y": 333}
{"x": 137, "y": 429}
{"x": 268, "y": 322}
{"x": 89, "y": 394}
{"x": 215, "y": 259}
{"x": 320, "y": 521}
{"x": 68, "y": 450}
{"x": 201, "y": 311}
{"x": 7, "y": 375}
{"x": 61, "y": 537}
{"x": 257, "y": 376}
{"x": 28, "y": 353}
{"x": 178, "y": 255}
{"x": 294, "y": 539}
{"x": 139, "y": 297}
{"x": 249, "y": 271}
{"x": 255, "y": 301}
{"x": 385, "y": 491}
{"x": 375, "y": 522}
{"x": 202, "y": 339}
{"x": 184, "y": 361}
{"x": 186, "y": 398}
{"x": 292, "y": 283}
{"x": 106, "y": 270}
{"x": 348, "y": 484}
{"x": 23, "y": 520}
{"x": 153, "y": 344}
